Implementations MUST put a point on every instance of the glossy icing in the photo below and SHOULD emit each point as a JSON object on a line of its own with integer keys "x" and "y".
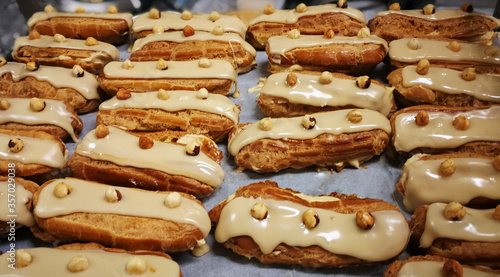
{"x": 39, "y": 16}
{"x": 166, "y": 157}
{"x": 438, "y": 14}
{"x": 22, "y": 214}
{"x": 434, "y": 269}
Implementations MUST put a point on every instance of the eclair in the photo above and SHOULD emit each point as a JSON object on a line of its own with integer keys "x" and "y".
{"x": 127, "y": 218}
{"x": 276, "y": 225}
{"x": 349, "y": 55}
{"x": 76, "y": 87}
{"x": 217, "y": 76}
{"x": 200, "y": 112}
{"x": 295, "y": 94}
{"x": 329, "y": 140}
{"x": 470, "y": 236}
{"x": 19, "y": 194}
{"x": 308, "y": 20}
{"x": 189, "y": 164}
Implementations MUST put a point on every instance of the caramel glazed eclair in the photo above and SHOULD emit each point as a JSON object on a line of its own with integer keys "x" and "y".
{"x": 88, "y": 259}
{"x": 295, "y": 94}
{"x": 198, "y": 112}
{"x": 283, "y": 226}
{"x": 470, "y": 236}
{"x": 127, "y": 218}
{"x": 190, "y": 165}
{"x": 217, "y": 76}
{"x": 22, "y": 190}
{"x": 75, "y": 87}
{"x": 328, "y": 140}
{"x": 309, "y": 20}
{"x": 437, "y": 129}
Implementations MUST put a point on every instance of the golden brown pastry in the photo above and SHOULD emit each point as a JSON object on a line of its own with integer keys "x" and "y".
{"x": 198, "y": 112}
{"x": 278, "y": 225}
{"x": 179, "y": 162}
{"x": 470, "y": 236}
{"x": 328, "y": 140}
{"x": 309, "y": 20}
{"x": 17, "y": 203}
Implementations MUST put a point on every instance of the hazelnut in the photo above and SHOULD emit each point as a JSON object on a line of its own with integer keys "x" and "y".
{"x": 162, "y": 64}
{"x": 37, "y": 104}
{"x": 454, "y": 211}
{"x": 77, "y": 71}
{"x": 3, "y": 61}
{"x": 78, "y": 264}
{"x": 310, "y": 218}
{"x": 186, "y": 15}
{"x": 363, "y": 82}
{"x": 188, "y": 31}
{"x": 101, "y": 131}
{"x": 204, "y": 63}
{"x": 496, "y": 162}
{"x": 214, "y": 16}
{"x": 15, "y": 145}
{"x": 294, "y": 34}
{"x": 491, "y": 50}
{"x": 49, "y": 9}
{"x": 496, "y": 213}
{"x": 454, "y": 46}
{"x": 259, "y": 211}
{"x": 23, "y": 258}
{"x": 32, "y": 66}
{"x": 291, "y": 79}
{"x": 329, "y": 34}
{"x": 301, "y": 8}
{"x": 342, "y": 4}
{"x": 308, "y": 122}
{"x": 422, "y": 118}
{"x": 326, "y": 77}
{"x": 146, "y": 143}
{"x": 364, "y": 32}
{"x": 80, "y": 10}
{"x": 365, "y": 220}
{"x": 193, "y": 148}
{"x": 136, "y": 266}
{"x": 4, "y": 104}
{"x": 268, "y": 9}
{"x": 447, "y": 167}
{"x": 112, "y": 9}
{"x": 218, "y": 31}
{"x": 266, "y": 124}
{"x": 467, "y": 7}
{"x": 112, "y": 195}
{"x": 59, "y": 38}
{"x": 34, "y": 34}
{"x": 461, "y": 123}
{"x": 452, "y": 268}
{"x": 154, "y": 14}
{"x": 414, "y": 44}
{"x": 173, "y": 200}
{"x": 429, "y": 9}
{"x": 163, "y": 94}
{"x": 158, "y": 29}
{"x": 395, "y": 7}
{"x": 469, "y": 74}
{"x": 423, "y": 67}
{"x": 202, "y": 94}
{"x": 62, "y": 190}
{"x": 123, "y": 94}
{"x": 354, "y": 116}
{"x": 127, "y": 64}
{"x": 90, "y": 41}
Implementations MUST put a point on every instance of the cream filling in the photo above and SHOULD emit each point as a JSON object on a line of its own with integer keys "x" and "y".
{"x": 438, "y": 14}
{"x": 474, "y": 177}
{"x": 55, "y": 113}
{"x": 40, "y": 16}
{"x": 176, "y": 69}
{"x": 199, "y": 22}
{"x": 20, "y": 213}
{"x": 334, "y": 123}
{"x": 57, "y": 76}
{"x": 477, "y": 225}
{"x": 291, "y": 16}
{"x": 54, "y": 262}
{"x": 437, "y": 50}
{"x": 178, "y": 100}
{"x": 484, "y": 87}
{"x": 134, "y": 202}
{"x": 440, "y": 132}
{"x": 78, "y": 44}
{"x": 35, "y": 151}
{"x": 340, "y": 92}
{"x": 337, "y": 233}
{"x": 165, "y": 157}
{"x": 434, "y": 269}
{"x": 279, "y": 45}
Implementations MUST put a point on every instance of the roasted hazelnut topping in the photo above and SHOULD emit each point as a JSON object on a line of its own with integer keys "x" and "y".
{"x": 154, "y": 14}
{"x": 423, "y": 67}
{"x": 364, "y": 32}
{"x": 342, "y": 4}
{"x": 188, "y": 31}
{"x": 162, "y": 64}
{"x": 77, "y": 71}
{"x": 294, "y": 34}
{"x": 454, "y": 46}
{"x": 310, "y": 218}
{"x": 496, "y": 162}
{"x": 268, "y": 9}
{"x": 163, "y": 94}
{"x": 308, "y": 122}
{"x": 112, "y": 195}
{"x": 80, "y": 10}
{"x": 37, "y": 104}
{"x": 364, "y": 220}
{"x": 127, "y": 64}
{"x": 193, "y": 148}
{"x": 454, "y": 211}
{"x": 4, "y": 104}
{"x": 204, "y": 63}
{"x": 363, "y": 82}
{"x": 469, "y": 74}
{"x": 461, "y": 123}
{"x": 395, "y": 7}
{"x": 354, "y": 116}
{"x": 23, "y": 258}
{"x": 429, "y": 9}
{"x": 329, "y": 34}
{"x": 214, "y": 16}
{"x": 467, "y": 7}
{"x": 259, "y": 211}
{"x": 3, "y": 61}
{"x": 218, "y": 31}
{"x": 202, "y": 94}
{"x": 491, "y": 50}
{"x": 186, "y": 15}
{"x": 78, "y": 264}
{"x": 112, "y": 9}
{"x": 266, "y": 124}
{"x": 146, "y": 143}
{"x": 173, "y": 200}
{"x": 422, "y": 118}
{"x": 59, "y": 38}
{"x": 158, "y": 29}
{"x": 452, "y": 268}
{"x": 49, "y": 9}
{"x": 15, "y": 145}
{"x": 291, "y": 79}
{"x": 414, "y": 44}
{"x": 447, "y": 167}
{"x": 301, "y": 8}
{"x": 62, "y": 190}
{"x": 123, "y": 94}
{"x": 90, "y": 41}
{"x": 34, "y": 34}
{"x": 136, "y": 266}
{"x": 32, "y": 66}
{"x": 496, "y": 213}
{"x": 101, "y": 131}
{"x": 326, "y": 77}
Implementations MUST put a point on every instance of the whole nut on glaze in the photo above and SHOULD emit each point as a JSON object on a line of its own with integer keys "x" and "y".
{"x": 329, "y": 34}
{"x": 162, "y": 64}
{"x": 364, "y": 32}
{"x": 423, "y": 67}
{"x": 467, "y": 7}
{"x": 496, "y": 162}
{"x": 101, "y": 131}
{"x": 204, "y": 63}
{"x": 354, "y": 116}
{"x": 80, "y": 10}
{"x": 310, "y": 218}
{"x": 395, "y": 7}
{"x": 266, "y": 124}
{"x": 454, "y": 211}
{"x": 34, "y": 34}
{"x": 123, "y": 94}
{"x": 202, "y": 94}
{"x": 154, "y": 14}
{"x": 49, "y": 9}
{"x": 158, "y": 29}
{"x": 496, "y": 213}
{"x": 301, "y": 8}
{"x": 294, "y": 34}
{"x": 163, "y": 94}
{"x": 15, "y": 145}
{"x": 186, "y": 15}
{"x": 32, "y": 66}
{"x": 112, "y": 195}
{"x": 259, "y": 211}
{"x": 422, "y": 118}
{"x": 268, "y": 9}
{"x": 193, "y": 148}
{"x": 59, "y": 38}
{"x": 469, "y": 74}
{"x": 326, "y": 77}
{"x": 4, "y": 104}
{"x": 173, "y": 200}
{"x": 308, "y": 122}
{"x": 188, "y": 31}
{"x": 491, "y": 50}
{"x": 447, "y": 167}
{"x": 363, "y": 82}
{"x": 3, "y": 61}
{"x": 112, "y": 9}
{"x": 78, "y": 264}
{"x": 342, "y": 4}
{"x": 136, "y": 266}
{"x": 291, "y": 79}
{"x": 414, "y": 44}
{"x": 428, "y": 9}
{"x": 452, "y": 268}
{"x": 214, "y": 16}
{"x": 364, "y": 220}
{"x": 62, "y": 190}
{"x": 454, "y": 46}
{"x": 127, "y": 64}
{"x": 461, "y": 123}
{"x": 146, "y": 143}
{"x": 218, "y": 31}
{"x": 37, "y": 104}
{"x": 23, "y": 258}
{"x": 90, "y": 41}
